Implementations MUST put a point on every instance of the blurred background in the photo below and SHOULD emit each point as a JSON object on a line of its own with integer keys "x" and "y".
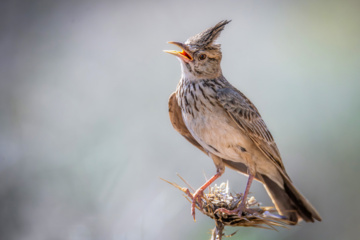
{"x": 84, "y": 128}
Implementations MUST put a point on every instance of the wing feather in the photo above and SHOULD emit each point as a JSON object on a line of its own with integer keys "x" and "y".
{"x": 178, "y": 122}
{"x": 247, "y": 117}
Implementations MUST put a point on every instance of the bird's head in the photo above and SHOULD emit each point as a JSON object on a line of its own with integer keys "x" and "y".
{"x": 200, "y": 56}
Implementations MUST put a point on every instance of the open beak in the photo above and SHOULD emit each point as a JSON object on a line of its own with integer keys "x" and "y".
{"x": 184, "y": 55}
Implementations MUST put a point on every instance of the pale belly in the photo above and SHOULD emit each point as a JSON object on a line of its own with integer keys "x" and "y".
{"x": 218, "y": 134}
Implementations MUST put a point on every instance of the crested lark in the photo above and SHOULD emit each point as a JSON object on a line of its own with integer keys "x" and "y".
{"x": 218, "y": 119}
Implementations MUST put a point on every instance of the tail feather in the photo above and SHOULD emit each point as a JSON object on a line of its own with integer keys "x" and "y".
{"x": 287, "y": 199}
{"x": 290, "y": 202}
{"x": 281, "y": 199}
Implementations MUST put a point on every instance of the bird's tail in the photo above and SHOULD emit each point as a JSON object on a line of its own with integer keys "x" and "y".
{"x": 289, "y": 201}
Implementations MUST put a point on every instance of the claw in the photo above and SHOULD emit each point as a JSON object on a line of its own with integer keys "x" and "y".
{"x": 196, "y": 197}
{"x": 188, "y": 193}
{"x": 237, "y": 211}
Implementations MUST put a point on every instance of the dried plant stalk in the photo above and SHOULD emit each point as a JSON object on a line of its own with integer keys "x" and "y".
{"x": 217, "y": 232}
{"x": 219, "y": 197}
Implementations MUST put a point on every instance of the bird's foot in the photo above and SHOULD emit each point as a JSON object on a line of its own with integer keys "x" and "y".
{"x": 237, "y": 211}
{"x": 196, "y": 198}
{"x": 242, "y": 206}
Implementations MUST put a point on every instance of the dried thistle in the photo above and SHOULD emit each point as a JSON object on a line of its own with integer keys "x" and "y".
{"x": 219, "y": 197}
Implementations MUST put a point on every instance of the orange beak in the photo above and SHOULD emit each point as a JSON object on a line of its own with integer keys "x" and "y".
{"x": 184, "y": 55}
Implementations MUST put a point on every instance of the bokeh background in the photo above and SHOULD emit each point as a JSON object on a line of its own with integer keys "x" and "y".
{"x": 84, "y": 128}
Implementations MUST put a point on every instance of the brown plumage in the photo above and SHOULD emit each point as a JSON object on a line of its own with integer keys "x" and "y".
{"x": 219, "y": 120}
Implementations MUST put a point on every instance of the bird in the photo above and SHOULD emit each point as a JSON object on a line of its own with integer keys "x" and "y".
{"x": 223, "y": 123}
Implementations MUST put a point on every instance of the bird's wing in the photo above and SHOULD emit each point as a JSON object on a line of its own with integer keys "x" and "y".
{"x": 179, "y": 125}
{"x": 247, "y": 117}
{"x": 178, "y": 122}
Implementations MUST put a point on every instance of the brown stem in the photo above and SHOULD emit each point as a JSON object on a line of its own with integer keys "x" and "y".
{"x": 217, "y": 232}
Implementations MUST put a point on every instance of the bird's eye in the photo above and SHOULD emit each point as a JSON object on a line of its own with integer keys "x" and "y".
{"x": 202, "y": 56}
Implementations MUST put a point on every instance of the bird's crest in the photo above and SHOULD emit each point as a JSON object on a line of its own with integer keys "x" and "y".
{"x": 206, "y": 38}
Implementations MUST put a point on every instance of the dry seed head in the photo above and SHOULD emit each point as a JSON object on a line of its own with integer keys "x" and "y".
{"x": 253, "y": 216}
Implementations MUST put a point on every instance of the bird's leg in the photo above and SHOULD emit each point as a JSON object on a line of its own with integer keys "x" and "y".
{"x": 199, "y": 193}
{"x": 241, "y": 206}
{"x": 220, "y": 169}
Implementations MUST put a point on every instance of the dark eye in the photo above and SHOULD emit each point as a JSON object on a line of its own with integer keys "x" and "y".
{"x": 202, "y": 56}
